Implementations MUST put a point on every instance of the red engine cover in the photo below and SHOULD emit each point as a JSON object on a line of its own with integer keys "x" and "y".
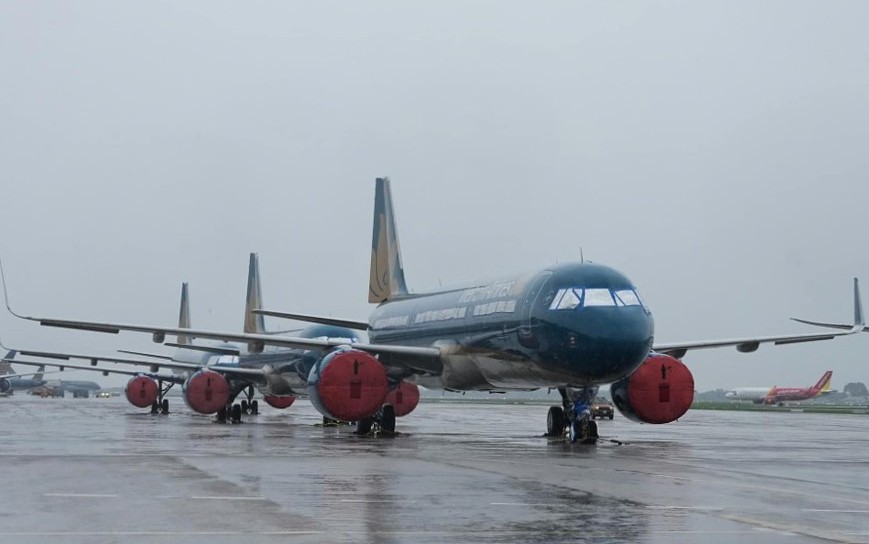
{"x": 280, "y": 402}
{"x": 206, "y": 392}
{"x": 348, "y": 385}
{"x": 660, "y": 391}
{"x": 403, "y": 398}
{"x": 142, "y": 391}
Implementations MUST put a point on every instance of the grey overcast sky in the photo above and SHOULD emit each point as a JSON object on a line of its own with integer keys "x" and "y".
{"x": 715, "y": 152}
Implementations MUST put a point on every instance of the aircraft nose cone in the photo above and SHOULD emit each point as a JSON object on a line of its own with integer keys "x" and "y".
{"x": 611, "y": 342}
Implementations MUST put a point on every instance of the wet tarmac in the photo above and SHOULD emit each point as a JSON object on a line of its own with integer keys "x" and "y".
{"x": 99, "y": 470}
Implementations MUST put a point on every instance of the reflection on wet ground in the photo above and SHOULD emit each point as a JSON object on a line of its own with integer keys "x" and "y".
{"x": 99, "y": 470}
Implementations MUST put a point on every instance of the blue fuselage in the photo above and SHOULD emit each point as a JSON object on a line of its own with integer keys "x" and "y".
{"x": 574, "y": 324}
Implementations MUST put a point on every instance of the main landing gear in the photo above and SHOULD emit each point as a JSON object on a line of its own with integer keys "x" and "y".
{"x": 573, "y": 417}
{"x": 232, "y": 412}
{"x": 381, "y": 423}
{"x": 161, "y": 405}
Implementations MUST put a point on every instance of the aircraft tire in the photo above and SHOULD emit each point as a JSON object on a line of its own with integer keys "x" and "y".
{"x": 236, "y": 413}
{"x": 165, "y": 406}
{"x": 155, "y": 408}
{"x": 555, "y": 421}
{"x": 387, "y": 419}
{"x": 245, "y": 407}
{"x": 363, "y": 426}
{"x": 254, "y": 407}
{"x": 221, "y": 415}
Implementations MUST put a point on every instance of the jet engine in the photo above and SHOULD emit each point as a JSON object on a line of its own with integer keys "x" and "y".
{"x": 660, "y": 391}
{"x": 279, "y": 401}
{"x": 5, "y": 385}
{"x": 403, "y": 398}
{"x": 142, "y": 391}
{"x": 206, "y": 391}
{"x": 348, "y": 385}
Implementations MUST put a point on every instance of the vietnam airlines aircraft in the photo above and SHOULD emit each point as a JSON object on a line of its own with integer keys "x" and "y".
{"x": 775, "y": 394}
{"x": 10, "y": 382}
{"x": 275, "y": 371}
{"x": 571, "y": 327}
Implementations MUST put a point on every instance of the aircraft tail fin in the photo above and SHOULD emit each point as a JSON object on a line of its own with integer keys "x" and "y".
{"x": 387, "y": 274}
{"x": 184, "y": 314}
{"x": 254, "y": 323}
{"x": 6, "y": 366}
{"x": 824, "y": 383}
{"x": 39, "y": 372}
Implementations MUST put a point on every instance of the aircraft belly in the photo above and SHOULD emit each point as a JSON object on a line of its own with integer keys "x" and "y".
{"x": 462, "y": 371}
{"x": 519, "y": 374}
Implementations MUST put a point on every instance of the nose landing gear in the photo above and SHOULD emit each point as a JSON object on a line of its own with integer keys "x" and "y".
{"x": 573, "y": 416}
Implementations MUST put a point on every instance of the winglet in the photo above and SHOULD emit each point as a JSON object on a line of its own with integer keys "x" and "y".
{"x": 858, "y": 307}
{"x": 184, "y": 314}
{"x": 387, "y": 273}
{"x": 5, "y": 292}
{"x": 254, "y": 323}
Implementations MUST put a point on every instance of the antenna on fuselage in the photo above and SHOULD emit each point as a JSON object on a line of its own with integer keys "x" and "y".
{"x": 581, "y": 256}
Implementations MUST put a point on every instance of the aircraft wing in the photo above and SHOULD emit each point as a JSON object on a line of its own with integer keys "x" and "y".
{"x": 5, "y": 376}
{"x": 843, "y": 326}
{"x": 105, "y": 371}
{"x": 154, "y": 366}
{"x": 745, "y": 345}
{"x": 419, "y": 359}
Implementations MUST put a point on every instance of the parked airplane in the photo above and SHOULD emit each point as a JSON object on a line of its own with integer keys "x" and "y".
{"x": 775, "y": 394}
{"x": 10, "y": 382}
{"x": 572, "y": 326}
{"x": 244, "y": 370}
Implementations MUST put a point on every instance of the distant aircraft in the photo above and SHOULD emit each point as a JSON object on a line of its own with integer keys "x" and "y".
{"x": 775, "y": 394}
{"x": 10, "y": 382}
{"x": 571, "y": 327}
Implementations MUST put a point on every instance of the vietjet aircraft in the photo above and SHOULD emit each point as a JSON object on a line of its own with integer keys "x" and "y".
{"x": 775, "y": 394}
{"x": 571, "y": 327}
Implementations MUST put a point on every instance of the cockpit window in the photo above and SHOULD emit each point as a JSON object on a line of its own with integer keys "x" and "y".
{"x": 570, "y": 298}
{"x": 626, "y": 297}
{"x": 598, "y": 297}
{"x": 566, "y": 299}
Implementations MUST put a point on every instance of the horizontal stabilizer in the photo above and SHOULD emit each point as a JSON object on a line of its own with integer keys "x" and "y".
{"x": 347, "y": 323}
{"x": 144, "y": 354}
{"x": 208, "y": 349}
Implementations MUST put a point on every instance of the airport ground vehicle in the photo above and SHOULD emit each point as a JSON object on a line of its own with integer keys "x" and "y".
{"x": 601, "y": 408}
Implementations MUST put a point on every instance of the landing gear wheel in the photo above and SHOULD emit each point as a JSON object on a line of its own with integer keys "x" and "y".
{"x": 221, "y": 415}
{"x": 155, "y": 408}
{"x": 584, "y": 431}
{"x": 236, "y": 413}
{"x": 363, "y": 426}
{"x": 254, "y": 407}
{"x": 556, "y": 421}
{"x": 164, "y": 406}
{"x": 387, "y": 420}
{"x": 245, "y": 408}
